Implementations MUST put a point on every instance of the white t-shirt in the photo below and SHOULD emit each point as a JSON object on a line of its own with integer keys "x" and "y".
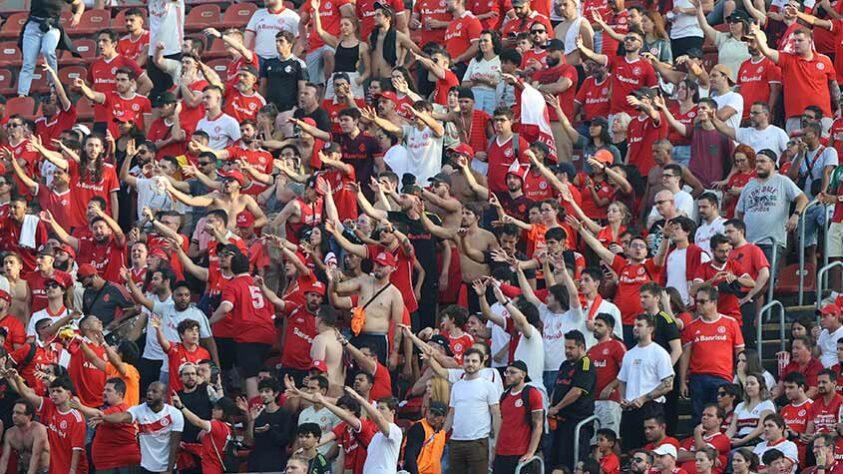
{"x": 471, "y": 400}
{"x": 326, "y": 420}
{"x": 677, "y": 275}
{"x": 788, "y": 448}
{"x": 424, "y": 159}
{"x": 684, "y": 203}
{"x": 827, "y": 343}
{"x": 554, "y": 327}
{"x": 771, "y": 138}
{"x": 382, "y": 453}
{"x": 706, "y": 231}
{"x": 733, "y": 100}
{"x": 153, "y": 195}
{"x": 531, "y": 351}
{"x": 748, "y": 419}
{"x": 492, "y": 375}
{"x": 828, "y": 158}
{"x": 154, "y": 431}
{"x": 266, "y": 24}
{"x": 222, "y": 131}
{"x": 684, "y": 26}
{"x": 643, "y": 369}
{"x": 45, "y": 314}
{"x": 397, "y": 158}
{"x": 486, "y": 67}
{"x": 166, "y": 25}
{"x": 170, "y": 319}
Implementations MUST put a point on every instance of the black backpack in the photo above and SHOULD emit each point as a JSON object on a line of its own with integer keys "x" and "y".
{"x": 528, "y": 414}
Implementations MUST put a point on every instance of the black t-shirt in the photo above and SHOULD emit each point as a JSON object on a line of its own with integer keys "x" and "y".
{"x": 48, "y": 8}
{"x": 579, "y": 374}
{"x": 320, "y": 116}
{"x": 423, "y": 242}
{"x": 360, "y": 153}
{"x": 666, "y": 330}
{"x": 199, "y": 402}
{"x": 270, "y": 450}
{"x": 104, "y": 303}
{"x": 282, "y": 81}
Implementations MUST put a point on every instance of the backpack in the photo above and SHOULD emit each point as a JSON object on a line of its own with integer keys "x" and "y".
{"x": 528, "y": 414}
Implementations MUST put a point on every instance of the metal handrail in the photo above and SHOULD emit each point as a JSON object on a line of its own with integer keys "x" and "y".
{"x": 577, "y": 430}
{"x": 802, "y": 226}
{"x": 768, "y": 308}
{"x": 771, "y": 284}
{"x": 533, "y": 459}
{"x": 821, "y": 284}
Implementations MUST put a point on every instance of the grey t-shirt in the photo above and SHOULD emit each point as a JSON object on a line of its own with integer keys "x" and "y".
{"x": 766, "y": 207}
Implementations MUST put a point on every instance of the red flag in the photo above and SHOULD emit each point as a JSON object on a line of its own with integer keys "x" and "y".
{"x": 535, "y": 121}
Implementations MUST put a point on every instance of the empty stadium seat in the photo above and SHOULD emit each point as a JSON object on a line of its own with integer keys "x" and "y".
{"x": 238, "y": 15}
{"x": 14, "y": 25}
{"x": 201, "y": 17}
{"x": 10, "y": 54}
{"x": 92, "y": 21}
{"x": 24, "y": 106}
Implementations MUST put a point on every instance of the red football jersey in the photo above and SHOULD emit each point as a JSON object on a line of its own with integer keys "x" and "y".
{"x": 713, "y": 346}
{"x": 115, "y": 444}
{"x": 825, "y": 415}
{"x": 66, "y": 434}
{"x": 630, "y": 278}
{"x": 241, "y": 106}
{"x": 88, "y": 379}
{"x": 107, "y": 257}
{"x": 125, "y": 109}
{"x": 627, "y": 76}
{"x": 178, "y": 355}
{"x": 252, "y": 314}
{"x": 102, "y": 77}
{"x": 15, "y": 332}
{"x": 607, "y": 357}
{"x": 330, "y": 15}
{"x": 131, "y": 48}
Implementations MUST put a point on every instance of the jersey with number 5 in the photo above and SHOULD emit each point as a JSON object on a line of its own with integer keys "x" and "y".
{"x": 252, "y": 314}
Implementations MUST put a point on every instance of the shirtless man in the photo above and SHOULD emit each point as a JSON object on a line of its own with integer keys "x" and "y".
{"x": 301, "y": 211}
{"x": 440, "y": 201}
{"x": 228, "y": 198}
{"x": 465, "y": 180}
{"x": 380, "y": 303}
{"x": 28, "y": 439}
{"x": 572, "y": 25}
{"x": 384, "y": 22}
{"x": 18, "y": 287}
{"x": 327, "y": 348}
{"x": 469, "y": 233}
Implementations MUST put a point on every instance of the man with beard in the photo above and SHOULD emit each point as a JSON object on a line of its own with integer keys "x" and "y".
{"x": 165, "y": 129}
{"x": 58, "y": 112}
{"x": 228, "y": 198}
{"x": 44, "y": 271}
{"x": 572, "y": 401}
{"x": 103, "y": 298}
{"x": 105, "y": 251}
{"x": 247, "y": 149}
{"x": 28, "y": 439}
{"x": 172, "y": 302}
{"x": 302, "y": 211}
{"x": 55, "y": 310}
{"x": 759, "y": 80}
{"x": 764, "y": 206}
{"x": 160, "y": 427}
{"x": 269, "y": 428}
{"x": 18, "y": 287}
{"x": 723, "y": 273}
{"x": 607, "y": 356}
{"x": 17, "y": 148}
{"x": 195, "y": 396}
{"x": 11, "y": 238}
{"x": 380, "y": 302}
{"x": 55, "y": 197}
{"x": 242, "y": 101}
{"x": 707, "y": 434}
{"x": 120, "y": 106}
{"x": 343, "y": 98}
{"x": 760, "y": 134}
{"x": 593, "y": 95}
{"x": 308, "y": 107}
{"x": 678, "y": 255}
{"x": 646, "y": 375}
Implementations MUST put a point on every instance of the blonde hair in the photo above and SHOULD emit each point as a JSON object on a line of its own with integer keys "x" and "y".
{"x": 440, "y": 390}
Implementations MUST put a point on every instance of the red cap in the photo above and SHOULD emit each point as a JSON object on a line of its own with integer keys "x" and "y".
{"x": 385, "y": 259}
{"x": 68, "y": 250}
{"x": 318, "y": 365}
{"x": 604, "y": 156}
{"x": 159, "y": 252}
{"x": 388, "y": 95}
{"x": 86, "y": 270}
{"x": 519, "y": 169}
{"x": 234, "y": 174}
{"x": 830, "y": 308}
{"x": 63, "y": 280}
{"x": 464, "y": 150}
{"x": 315, "y": 287}
{"x": 6, "y": 296}
{"x": 245, "y": 219}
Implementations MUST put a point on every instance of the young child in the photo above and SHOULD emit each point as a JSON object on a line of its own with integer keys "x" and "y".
{"x": 309, "y": 434}
{"x": 453, "y": 320}
{"x": 188, "y": 350}
{"x": 605, "y": 452}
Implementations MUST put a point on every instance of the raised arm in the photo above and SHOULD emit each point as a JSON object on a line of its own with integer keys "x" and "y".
{"x": 356, "y": 249}
{"x": 62, "y": 234}
{"x": 92, "y": 95}
{"x": 761, "y": 43}
{"x": 589, "y": 54}
{"x": 193, "y": 201}
{"x": 602, "y": 252}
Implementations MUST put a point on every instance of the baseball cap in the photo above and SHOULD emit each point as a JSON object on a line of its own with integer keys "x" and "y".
{"x": 47, "y": 250}
{"x": 68, "y": 250}
{"x": 522, "y": 366}
{"x": 59, "y": 279}
{"x": 694, "y": 53}
{"x": 830, "y": 308}
{"x": 315, "y": 287}
{"x": 604, "y": 156}
{"x": 565, "y": 167}
{"x": 233, "y": 174}
{"x": 87, "y": 270}
{"x": 245, "y": 219}
{"x": 250, "y": 69}
{"x": 644, "y": 92}
{"x": 723, "y": 69}
{"x": 311, "y": 183}
{"x": 518, "y": 169}
{"x": 385, "y": 259}
{"x": 666, "y": 449}
{"x": 388, "y": 95}
{"x": 441, "y": 178}
{"x": 159, "y": 252}
{"x": 319, "y": 365}
{"x": 519, "y": 3}
{"x": 443, "y": 342}
{"x": 438, "y": 408}
{"x": 463, "y": 149}
{"x": 386, "y": 8}
{"x": 83, "y": 129}
{"x": 163, "y": 99}
{"x": 228, "y": 248}
{"x": 737, "y": 15}
{"x": 555, "y": 45}
{"x": 411, "y": 189}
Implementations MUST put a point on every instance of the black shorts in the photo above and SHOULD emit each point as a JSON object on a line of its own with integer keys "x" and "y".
{"x": 249, "y": 357}
{"x": 225, "y": 349}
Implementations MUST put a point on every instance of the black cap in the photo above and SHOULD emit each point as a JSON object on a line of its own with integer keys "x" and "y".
{"x": 555, "y": 44}
{"x": 522, "y": 366}
{"x": 565, "y": 167}
{"x": 442, "y": 341}
{"x": 163, "y": 99}
{"x": 738, "y": 15}
{"x": 250, "y": 69}
{"x": 2, "y": 99}
{"x": 441, "y": 178}
{"x": 643, "y": 92}
{"x": 769, "y": 154}
{"x": 386, "y": 8}
{"x": 438, "y": 408}
{"x": 231, "y": 248}
{"x": 602, "y": 121}
{"x": 694, "y": 53}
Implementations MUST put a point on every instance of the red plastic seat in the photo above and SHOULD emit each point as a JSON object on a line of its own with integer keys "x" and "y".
{"x": 10, "y": 54}
{"x": 202, "y": 16}
{"x": 118, "y": 23}
{"x": 69, "y": 73}
{"x": 40, "y": 82}
{"x": 217, "y": 50}
{"x": 238, "y": 15}
{"x": 92, "y": 21}
{"x": 14, "y": 25}
{"x": 24, "y": 106}
{"x": 87, "y": 49}
{"x": 7, "y": 82}
{"x": 84, "y": 109}
{"x": 220, "y": 66}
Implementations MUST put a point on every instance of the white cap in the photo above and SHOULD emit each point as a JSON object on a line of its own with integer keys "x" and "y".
{"x": 82, "y": 129}
{"x": 666, "y": 449}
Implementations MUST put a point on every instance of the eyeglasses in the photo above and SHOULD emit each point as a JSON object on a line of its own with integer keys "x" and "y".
{"x": 51, "y": 285}
{"x": 536, "y": 32}
{"x": 13, "y": 125}
{"x": 638, "y": 246}
{"x": 809, "y": 116}
{"x": 203, "y": 163}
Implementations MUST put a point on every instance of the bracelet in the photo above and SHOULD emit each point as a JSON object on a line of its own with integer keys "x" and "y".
{"x": 507, "y": 302}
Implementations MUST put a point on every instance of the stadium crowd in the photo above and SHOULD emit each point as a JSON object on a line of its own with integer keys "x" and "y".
{"x": 441, "y": 236}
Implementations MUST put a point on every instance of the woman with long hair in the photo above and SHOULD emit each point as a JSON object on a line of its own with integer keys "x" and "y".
{"x": 704, "y": 460}
{"x": 656, "y": 39}
{"x": 618, "y": 218}
{"x": 684, "y": 111}
{"x": 749, "y": 362}
{"x": 351, "y": 56}
{"x": 405, "y": 90}
{"x": 484, "y": 71}
{"x": 744, "y": 461}
{"x": 747, "y": 424}
{"x": 743, "y": 170}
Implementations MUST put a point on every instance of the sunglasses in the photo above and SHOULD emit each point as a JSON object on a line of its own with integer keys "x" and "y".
{"x": 52, "y": 285}
{"x": 535, "y": 32}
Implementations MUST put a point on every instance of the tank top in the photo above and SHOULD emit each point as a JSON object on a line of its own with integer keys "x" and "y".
{"x": 346, "y": 58}
{"x": 311, "y": 215}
